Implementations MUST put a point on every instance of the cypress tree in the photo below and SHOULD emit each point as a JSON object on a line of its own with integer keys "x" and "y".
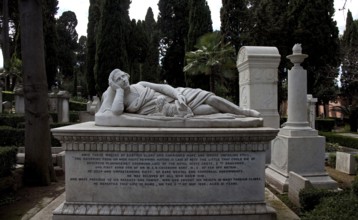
{"x": 151, "y": 62}
{"x": 312, "y": 24}
{"x": 237, "y": 22}
{"x": 94, "y": 14}
{"x": 199, "y": 22}
{"x": 51, "y": 40}
{"x": 173, "y": 24}
{"x": 112, "y": 39}
{"x": 349, "y": 51}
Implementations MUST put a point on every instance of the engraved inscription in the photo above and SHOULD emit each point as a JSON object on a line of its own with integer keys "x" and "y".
{"x": 140, "y": 169}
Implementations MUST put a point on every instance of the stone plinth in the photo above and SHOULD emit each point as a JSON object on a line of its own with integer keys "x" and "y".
{"x": 164, "y": 173}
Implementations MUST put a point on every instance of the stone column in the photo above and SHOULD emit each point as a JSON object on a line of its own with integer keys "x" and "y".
{"x": 19, "y": 101}
{"x": 298, "y": 147}
{"x": 258, "y": 83}
{"x": 311, "y": 108}
{"x": 0, "y": 99}
{"x": 63, "y": 106}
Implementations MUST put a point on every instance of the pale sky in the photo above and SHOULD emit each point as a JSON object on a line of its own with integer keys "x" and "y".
{"x": 138, "y": 10}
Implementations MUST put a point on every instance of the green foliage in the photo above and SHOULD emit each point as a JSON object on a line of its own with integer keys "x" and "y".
{"x": 213, "y": 60}
{"x": 112, "y": 41}
{"x": 173, "y": 13}
{"x": 311, "y": 197}
{"x": 77, "y": 106}
{"x": 7, "y": 160}
{"x": 341, "y": 140}
{"x": 11, "y": 136}
{"x": 67, "y": 43}
{"x": 49, "y": 10}
{"x": 332, "y": 147}
{"x": 311, "y": 23}
{"x": 199, "y": 22}
{"x": 339, "y": 206}
{"x": 74, "y": 117}
{"x": 355, "y": 186}
{"x": 332, "y": 158}
{"x": 94, "y": 14}
{"x": 12, "y": 120}
{"x": 349, "y": 76}
{"x": 8, "y": 96}
{"x": 325, "y": 124}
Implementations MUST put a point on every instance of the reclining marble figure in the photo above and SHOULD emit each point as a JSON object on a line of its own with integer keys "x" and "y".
{"x": 146, "y": 104}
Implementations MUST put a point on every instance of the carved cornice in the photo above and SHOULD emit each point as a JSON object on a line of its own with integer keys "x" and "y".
{"x": 164, "y": 140}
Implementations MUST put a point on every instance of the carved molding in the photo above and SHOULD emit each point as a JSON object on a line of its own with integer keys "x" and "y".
{"x": 68, "y": 208}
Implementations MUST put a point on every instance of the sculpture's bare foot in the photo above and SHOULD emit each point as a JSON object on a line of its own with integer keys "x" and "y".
{"x": 251, "y": 113}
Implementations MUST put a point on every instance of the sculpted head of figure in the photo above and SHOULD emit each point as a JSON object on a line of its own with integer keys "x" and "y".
{"x": 118, "y": 79}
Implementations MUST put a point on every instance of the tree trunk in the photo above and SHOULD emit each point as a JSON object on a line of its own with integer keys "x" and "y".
{"x": 38, "y": 169}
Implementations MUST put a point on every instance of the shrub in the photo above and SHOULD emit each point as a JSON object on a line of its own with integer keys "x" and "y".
{"x": 325, "y": 124}
{"x": 11, "y": 136}
{"x": 12, "y": 120}
{"x": 332, "y": 147}
{"x": 311, "y": 197}
{"x": 332, "y": 160}
{"x": 341, "y": 140}
{"x": 340, "y": 206}
{"x": 7, "y": 160}
{"x": 355, "y": 186}
{"x": 74, "y": 117}
{"x": 8, "y": 96}
{"x": 78, "y": 106}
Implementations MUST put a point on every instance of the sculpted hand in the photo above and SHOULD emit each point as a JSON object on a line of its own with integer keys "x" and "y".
{"x": 181, "y": 99}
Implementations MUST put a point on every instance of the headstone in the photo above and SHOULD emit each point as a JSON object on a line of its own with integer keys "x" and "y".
{"x": 19, "y": 101}
{"x": 311, "y": 107}
{"x": 258, "y": 70}
{"x": 164, "y": 173}
{"x": 298, "y": 147}
{"x": 346, "y": 163}
{"x": 295, "y": 185}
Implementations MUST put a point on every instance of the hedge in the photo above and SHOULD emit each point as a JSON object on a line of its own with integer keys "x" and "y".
{"x": 325, "y": 124}
{"x": 7, "y": 160}
{"x": 321, "y": 124}
{"x": 8, "y": 96}
{"x": 12, "y": 120}
{"x": 344, "y": 141}
{"x": 340, "y": 206}
{"x": 311, "y": 197}
{"x": 11, "y": 136}
{"x": 78, "y": 106}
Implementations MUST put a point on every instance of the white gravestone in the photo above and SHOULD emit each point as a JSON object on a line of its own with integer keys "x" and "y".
{"x": 346, "y": 163}
{"x": 298, "y": 147}
{"x": 164, "y": 173}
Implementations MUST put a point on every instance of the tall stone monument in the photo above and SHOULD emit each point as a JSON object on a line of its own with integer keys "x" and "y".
{"x": 183, "y": 160}
{"x": 257, "y": 68}
{"x": 298, "y": 147}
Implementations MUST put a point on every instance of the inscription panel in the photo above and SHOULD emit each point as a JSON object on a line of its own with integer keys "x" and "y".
{"x": 165, "y": 177}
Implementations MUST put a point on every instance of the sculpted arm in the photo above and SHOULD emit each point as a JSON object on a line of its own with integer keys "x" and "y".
{"x": 166, "y": 90}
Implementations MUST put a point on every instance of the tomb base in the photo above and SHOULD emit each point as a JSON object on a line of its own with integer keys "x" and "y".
{"x": 164, "y": 173}
{"x": 300, "y": 151}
